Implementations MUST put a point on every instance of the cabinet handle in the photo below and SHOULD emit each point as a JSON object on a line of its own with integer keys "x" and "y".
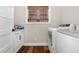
{"x": 20, "y": 37}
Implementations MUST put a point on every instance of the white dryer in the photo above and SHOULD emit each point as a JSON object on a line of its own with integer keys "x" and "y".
{"x": 51, "y": 40}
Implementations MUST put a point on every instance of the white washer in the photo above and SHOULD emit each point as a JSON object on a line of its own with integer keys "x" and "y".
{"x": 52, "y": 35}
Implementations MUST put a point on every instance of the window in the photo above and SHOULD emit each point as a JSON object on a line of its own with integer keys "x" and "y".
{"x": 38, "y": 14}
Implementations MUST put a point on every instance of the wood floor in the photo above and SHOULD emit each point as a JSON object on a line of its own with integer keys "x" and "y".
{"x": 34, "y": 49}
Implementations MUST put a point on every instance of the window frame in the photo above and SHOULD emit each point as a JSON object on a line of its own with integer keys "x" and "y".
{"x": 26, "y": 17}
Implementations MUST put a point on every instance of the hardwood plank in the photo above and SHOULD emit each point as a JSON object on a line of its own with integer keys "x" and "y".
{"x": 30, "y": 50}
{"x": 21, "y": 49}
{"x": 26, "y": 48}
{"x": 34, "y": 49}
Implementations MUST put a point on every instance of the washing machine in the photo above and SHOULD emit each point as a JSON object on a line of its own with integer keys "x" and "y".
{"x": 52, "y": 34}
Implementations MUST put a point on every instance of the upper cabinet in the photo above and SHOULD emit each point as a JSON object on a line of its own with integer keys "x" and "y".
{"x": 7, "y": 12}
{"x": 37, "y": 14}
{"x": 6, "y": 17}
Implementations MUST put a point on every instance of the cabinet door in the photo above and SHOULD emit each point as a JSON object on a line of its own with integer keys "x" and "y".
{"x": 4, "y": 24}
{"x": 6, "y": 17}
{"x": 18, "y": 40}
{"x": 5, "y": 43}
{"x": 6, "y": 11}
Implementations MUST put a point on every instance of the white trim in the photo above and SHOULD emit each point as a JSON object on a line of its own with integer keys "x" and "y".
{"x": 26, "y": 15}
{"x": 36, "y": 44}
{"x": 49, "y": 14}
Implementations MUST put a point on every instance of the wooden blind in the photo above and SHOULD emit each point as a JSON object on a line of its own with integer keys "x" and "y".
{"x": 38, "y": 13}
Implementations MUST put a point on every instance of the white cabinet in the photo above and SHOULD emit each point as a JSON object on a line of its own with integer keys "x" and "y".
{"x": 5, "y": 43}
{"x": 18, "y": 37}
{"x": 66, "y": 44}
{"x": 7, "y": 12}
{"x": 6, "y": 17}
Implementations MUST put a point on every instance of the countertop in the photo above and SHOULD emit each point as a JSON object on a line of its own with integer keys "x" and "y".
{"x": 67, "y": 32}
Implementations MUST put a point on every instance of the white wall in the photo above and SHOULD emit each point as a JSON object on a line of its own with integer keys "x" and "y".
{"x": 55, "y": 16}
{"x": 37, "y": 33}
{"x": 70, "y": 14}
{"x": 19, "y": 15}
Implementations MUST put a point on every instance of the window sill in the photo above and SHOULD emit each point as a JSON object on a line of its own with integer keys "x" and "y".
{"x": 37, "y": 22}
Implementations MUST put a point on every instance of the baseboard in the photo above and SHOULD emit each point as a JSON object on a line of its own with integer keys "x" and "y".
{"x": 36, "y": 44}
